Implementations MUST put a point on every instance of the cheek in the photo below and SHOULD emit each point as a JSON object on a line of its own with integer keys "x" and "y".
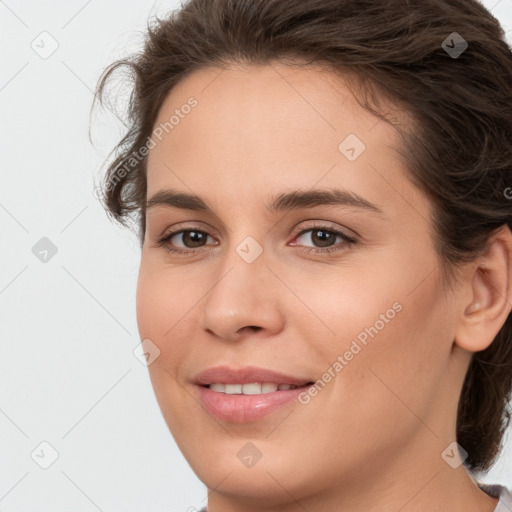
{"x": 401, "y": 363}
{"x": 162, "y": 306}
{"x": 387, "y": 384}
{"x": 347, "y": 307}
{"x": 163, "y": 299}
{"x": 373, "y": 325}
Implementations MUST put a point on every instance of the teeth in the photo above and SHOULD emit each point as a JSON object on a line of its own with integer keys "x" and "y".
{"x": 253, "y": 388}
{"x": 233, "y": 389}
{"x": 218, "y": 387}
{"x": 268, "y": 387}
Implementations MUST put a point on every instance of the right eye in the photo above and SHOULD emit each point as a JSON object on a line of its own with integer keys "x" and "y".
{"x": 191, "y": 238}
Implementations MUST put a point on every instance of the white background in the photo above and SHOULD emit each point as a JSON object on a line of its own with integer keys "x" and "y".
{"x": 68, "y": 326}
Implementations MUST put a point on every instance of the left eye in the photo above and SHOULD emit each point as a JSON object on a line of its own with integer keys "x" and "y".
{"x": 325, "y": 238}
{"x": 322, "y": 236}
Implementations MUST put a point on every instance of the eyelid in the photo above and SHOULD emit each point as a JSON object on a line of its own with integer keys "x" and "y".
{"x": 195, "y": 225}
{"x": 321, "y": 224}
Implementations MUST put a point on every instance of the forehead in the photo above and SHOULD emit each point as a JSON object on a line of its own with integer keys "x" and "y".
{"x": 268, "y": 107}
{"x": 272, "y": 126}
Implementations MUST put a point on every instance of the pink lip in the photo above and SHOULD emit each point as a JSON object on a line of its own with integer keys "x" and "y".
{"x": 246, "y": 375}
{"x": 245, "y": 408}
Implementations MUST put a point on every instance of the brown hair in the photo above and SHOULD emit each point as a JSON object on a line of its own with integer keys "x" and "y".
{"x": 459, "y": 151}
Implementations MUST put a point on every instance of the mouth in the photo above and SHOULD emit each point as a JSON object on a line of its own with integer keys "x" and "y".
{"x": 253, "y": 388}
{"x": 245, "y": 376}
{"x": 247, "y": 394}
{"x": 234, "y": 406}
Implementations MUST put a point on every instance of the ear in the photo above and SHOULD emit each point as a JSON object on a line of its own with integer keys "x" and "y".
{"x": 489, "y": 300}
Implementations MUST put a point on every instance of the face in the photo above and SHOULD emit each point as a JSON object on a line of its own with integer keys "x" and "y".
{"x": 345, "y": 293}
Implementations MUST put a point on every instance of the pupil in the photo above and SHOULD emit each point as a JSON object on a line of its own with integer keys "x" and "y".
{"x": 195, "y": 236}
{"x": 325, "y": 237}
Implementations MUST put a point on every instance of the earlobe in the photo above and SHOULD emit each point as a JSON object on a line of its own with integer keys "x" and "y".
{"x": 490, "y": 294}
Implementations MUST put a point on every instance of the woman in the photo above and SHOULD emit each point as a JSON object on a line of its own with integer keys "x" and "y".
{"x": 325, "y": 285}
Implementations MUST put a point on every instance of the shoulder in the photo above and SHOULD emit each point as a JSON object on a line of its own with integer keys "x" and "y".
{"x": 498, "y": 491}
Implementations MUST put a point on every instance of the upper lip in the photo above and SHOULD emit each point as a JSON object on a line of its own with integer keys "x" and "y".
{"x": 246, "y": 375}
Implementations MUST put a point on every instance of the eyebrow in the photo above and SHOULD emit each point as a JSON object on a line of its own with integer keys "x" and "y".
{"x": 286, "y": 201}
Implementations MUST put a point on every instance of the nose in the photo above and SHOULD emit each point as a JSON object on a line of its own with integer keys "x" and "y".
{"x": 244, "y": 298}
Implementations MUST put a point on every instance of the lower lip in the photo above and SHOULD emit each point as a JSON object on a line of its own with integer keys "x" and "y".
{"x": 245, "y": 408}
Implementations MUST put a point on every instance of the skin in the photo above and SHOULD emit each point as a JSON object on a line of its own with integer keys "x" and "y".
{"x": 372, "y": 439}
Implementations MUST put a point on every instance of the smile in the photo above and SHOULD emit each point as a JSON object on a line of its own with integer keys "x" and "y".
{"x": 237, "y": 403}
{"x": 253, "y": 388}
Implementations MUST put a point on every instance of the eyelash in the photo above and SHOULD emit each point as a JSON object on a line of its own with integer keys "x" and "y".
{"x": 347, "y": 241}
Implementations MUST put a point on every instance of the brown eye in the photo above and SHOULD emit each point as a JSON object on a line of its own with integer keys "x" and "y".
{"x": 193, "y": 238}
{"x": 324, "y": 239}
{"x": 190, "y": 240}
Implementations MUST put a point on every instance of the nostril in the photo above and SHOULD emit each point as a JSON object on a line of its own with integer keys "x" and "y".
{"x": 254, "y": 328}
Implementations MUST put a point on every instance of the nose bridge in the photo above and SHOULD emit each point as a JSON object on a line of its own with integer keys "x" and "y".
{"x": 241, "y": 274}
{"x": 242, "y": 294}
